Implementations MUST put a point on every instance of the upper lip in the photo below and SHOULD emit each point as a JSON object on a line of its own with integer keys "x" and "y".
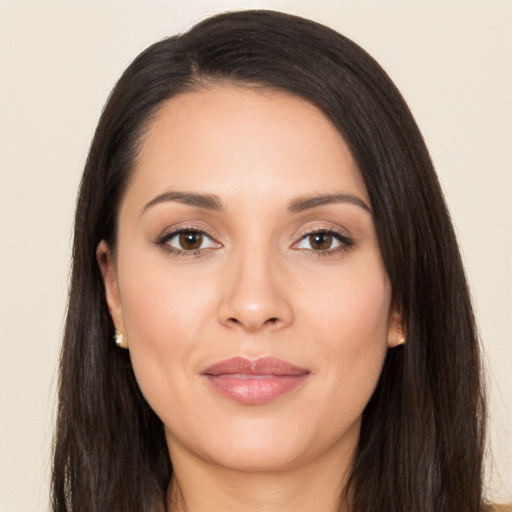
{"x": 260, "y": 366}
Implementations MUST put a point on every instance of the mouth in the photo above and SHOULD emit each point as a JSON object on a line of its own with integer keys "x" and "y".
{"x": 254, "y": 382}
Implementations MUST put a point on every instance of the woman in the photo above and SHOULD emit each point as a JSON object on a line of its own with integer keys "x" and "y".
{"x": 260, "y": 229}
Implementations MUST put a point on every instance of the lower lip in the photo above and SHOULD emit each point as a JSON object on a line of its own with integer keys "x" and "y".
{"x": 255, "y": 390}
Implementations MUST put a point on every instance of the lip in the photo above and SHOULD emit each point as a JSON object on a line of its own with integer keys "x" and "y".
{"x": 254, "y": 381}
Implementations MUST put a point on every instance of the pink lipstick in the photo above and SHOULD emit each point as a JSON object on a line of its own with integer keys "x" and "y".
{"x": 254, "y": 382}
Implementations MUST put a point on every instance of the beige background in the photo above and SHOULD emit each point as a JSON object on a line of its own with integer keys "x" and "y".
{"x": 58, "y": 62}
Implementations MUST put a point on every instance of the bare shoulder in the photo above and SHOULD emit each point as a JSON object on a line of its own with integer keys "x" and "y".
{"x": 499, "y": 508}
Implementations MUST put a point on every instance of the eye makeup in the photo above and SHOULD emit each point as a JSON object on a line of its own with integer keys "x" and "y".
{"x": 191, "y": 240}
{"x": 324, "y": 242}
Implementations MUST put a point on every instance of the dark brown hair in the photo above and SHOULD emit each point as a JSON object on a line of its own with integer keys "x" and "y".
{"x": 422, "y": 432}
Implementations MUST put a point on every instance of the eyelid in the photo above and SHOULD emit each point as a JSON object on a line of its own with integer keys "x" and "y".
{"x": 196, "y": 226}
{"x": 321, "y": 227}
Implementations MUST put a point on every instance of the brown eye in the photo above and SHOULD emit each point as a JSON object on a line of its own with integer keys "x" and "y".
{"x": 190, "y": 240}
{"x": 187, "y": 241}
{"x": 320, "y": 241}
{"x": 324, "y": 242}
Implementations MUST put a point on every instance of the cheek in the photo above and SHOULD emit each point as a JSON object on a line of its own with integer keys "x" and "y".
{"x": 159, "y": 298}
{"x": 351, "y": 304}
{"x": 350, "y": 323}
{"x": 164, "y": 319}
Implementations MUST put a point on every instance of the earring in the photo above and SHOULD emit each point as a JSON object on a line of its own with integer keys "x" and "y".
{"x": 401, "y": 337}
{"x": 119, "y": 339}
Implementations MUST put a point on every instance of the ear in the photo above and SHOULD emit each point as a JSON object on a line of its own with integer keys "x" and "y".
{"x": 106, "y": 264}
{"x": 397, "y": 330}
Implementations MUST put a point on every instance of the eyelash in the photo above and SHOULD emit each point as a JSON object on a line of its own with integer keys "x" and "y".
{"x": 165, "y": 238}
{"x": 345, "y": 243}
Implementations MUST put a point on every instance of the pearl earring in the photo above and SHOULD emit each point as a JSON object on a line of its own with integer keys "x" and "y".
{"x": 119, "y": 339}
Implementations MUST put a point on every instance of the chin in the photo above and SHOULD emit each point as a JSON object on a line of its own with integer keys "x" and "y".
{"x": 268, "y": 445}
{"x": 258, "y": 457}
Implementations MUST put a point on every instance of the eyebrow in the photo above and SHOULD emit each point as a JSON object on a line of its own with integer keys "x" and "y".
{"x": 305, "y": 203}
{"x": 207, "y": 201}
{"x": 213, "y": 202}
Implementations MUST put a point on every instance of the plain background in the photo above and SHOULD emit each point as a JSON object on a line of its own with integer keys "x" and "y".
{"x": 58, "y": 62}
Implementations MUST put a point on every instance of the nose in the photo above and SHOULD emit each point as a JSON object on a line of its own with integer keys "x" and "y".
{"x": 254, "y": 295}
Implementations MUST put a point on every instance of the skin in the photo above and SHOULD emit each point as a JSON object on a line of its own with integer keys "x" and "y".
{"x": 260, "y": 285}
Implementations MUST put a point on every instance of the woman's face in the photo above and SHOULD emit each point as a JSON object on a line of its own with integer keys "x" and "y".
{"x": 248, "y": 280}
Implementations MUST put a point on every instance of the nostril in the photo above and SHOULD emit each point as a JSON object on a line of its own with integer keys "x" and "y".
{"x": 270, "y": 321}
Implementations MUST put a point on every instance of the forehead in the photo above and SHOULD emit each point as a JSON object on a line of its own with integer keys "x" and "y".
{"x": 230, "y": 139}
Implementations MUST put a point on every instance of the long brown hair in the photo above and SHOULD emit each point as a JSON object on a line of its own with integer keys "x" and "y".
{"x": 422, "y": 433}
